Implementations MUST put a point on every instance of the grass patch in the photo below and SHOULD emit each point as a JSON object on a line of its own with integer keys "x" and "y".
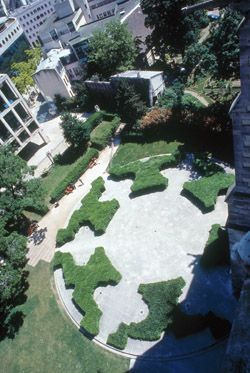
{"x": 85, "y": 279}
{"x": 161, "y": 299}
{"x": 204, "y": 192}
{"x": 216, "y": 252}
{"x": 48, "y": 341}
{"x": 74, "y": 172}
{"x": 131, "y": 152}
{"x": 92, "y": 212}
{"x": 101, "y": 135}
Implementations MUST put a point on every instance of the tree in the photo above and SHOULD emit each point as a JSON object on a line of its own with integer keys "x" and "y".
{"x": 172, "y": 96}
{"x": 74, "y": 131}
{"x": 18, "y": 191}
{"x": 224, "y": 43}
{"x": 199, "y": 60}
{"x": 24, "y": 70}
{"x": 111, "y": 50}
{"x": 157, "y": 118}
{"x": 129, "y": 104}
{"x": 172, "y": 31}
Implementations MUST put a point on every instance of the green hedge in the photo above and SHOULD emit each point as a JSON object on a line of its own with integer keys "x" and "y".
{"x": 80, "y": 167}
{"x": 161, "y": 299}
{"x": 85, "y": 279}
{"x": 102, "y": 134}
{"x": 146, "y": 175}
{"x": 216, "y": 252}
{"x": 92, "y": 212}
{"x": 204, "y": 192}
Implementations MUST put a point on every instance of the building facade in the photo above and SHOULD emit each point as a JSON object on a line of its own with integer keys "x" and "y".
{"x": 32, "y": 16}
{"x": 17, "y": 124}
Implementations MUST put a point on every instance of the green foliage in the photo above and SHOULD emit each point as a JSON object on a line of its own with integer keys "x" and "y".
{"x": 17, "y": 191}
{"x": 203, "y": 192}
{"x": 199, "y": 59}
{"x": 146, "y": 174}
{"x": 85, "y": 279}
{"x": 172, "y": 30}
{"x": 216, "y": 252}
{"x": 111, "y": 50}
{"x": 129, "y": 104}
{"x": 161, "y": 299}
{"x": 79, "y": 167}
{"x": 172, "y": 96}
{"x": 101, "y": 135}
{"x": 92, "y": 212}
{"x": 204, "y": 164}
{"x": 24, "y": 70}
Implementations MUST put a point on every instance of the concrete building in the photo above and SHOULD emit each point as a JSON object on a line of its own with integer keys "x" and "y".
{"x": 17, "y": 125}
{"x": 12, "y": 42}
{"x": 32, "y": 16}
{"x": 51, "y": 76}
{"x": 3, "y": 9}
{"x": 149, "y": 83}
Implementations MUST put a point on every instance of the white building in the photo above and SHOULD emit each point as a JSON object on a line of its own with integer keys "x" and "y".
{"x": 150, "y": 82}
{"x": 51, "y": 76}
{"x": 32, "y": 16}
{"x": 10, "y": 31}
{"x": 17, "y": 125}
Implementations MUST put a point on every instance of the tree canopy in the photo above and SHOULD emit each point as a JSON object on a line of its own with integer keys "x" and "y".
{"x": 24, "y": 70}
{"x": 172, "y": 31}
{"x": 111, "y": 50}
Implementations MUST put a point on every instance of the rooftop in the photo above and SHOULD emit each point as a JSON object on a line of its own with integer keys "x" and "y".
{"x": 51, "y": 61}
{"x": 145, "y": 74}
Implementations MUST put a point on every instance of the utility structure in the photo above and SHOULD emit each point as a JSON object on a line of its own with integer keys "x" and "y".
{"x": 239, "y": 197}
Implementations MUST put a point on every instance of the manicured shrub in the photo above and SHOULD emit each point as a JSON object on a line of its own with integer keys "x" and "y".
{"x": 161, "y": 299}
{"x": 92, "y": 212}
{"x": 79, "y": 168}
{"x": 203, "y": 192}
{"x": 102, "y": 134}
{"x": 155, "y": 118}
{"x": 85, "y": 279}
{"x": 146, "y": 175}
{"x": 216, "y": 252}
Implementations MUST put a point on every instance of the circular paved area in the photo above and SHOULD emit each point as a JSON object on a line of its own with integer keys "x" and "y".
{"x": 153, "y": 238}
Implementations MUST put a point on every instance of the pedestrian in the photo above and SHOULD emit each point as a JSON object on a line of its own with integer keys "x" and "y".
{"x": 82, "y": 183}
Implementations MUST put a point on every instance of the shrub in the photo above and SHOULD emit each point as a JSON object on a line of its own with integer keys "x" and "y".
{"x": 146, "y": 175}
{"x": 102, "y": 134}
{"x": 92, "y": 212}
{"x": 216, "y": 252}
{"x": 161, "y": 299}
{"x": 79, "y": 168}
{"x": 203, "y": 192}
{"x": 156, "y": 118}
{"x": 204, "y": 164}
{"x": 85, "y": 279}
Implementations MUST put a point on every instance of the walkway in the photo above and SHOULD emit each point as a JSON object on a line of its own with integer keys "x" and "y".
{"x": 198, "y": 96}
{"x": 59, "y": 216}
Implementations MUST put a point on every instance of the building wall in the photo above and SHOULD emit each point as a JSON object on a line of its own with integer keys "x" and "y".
{"x": 9, "y": 33}
{"x": 51, "y": 83}
{"x": 17, "y": 125}
{"x": 32, "y": 16}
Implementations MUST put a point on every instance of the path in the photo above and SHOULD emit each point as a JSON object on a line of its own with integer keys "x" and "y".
{"x": 58, "y": 217}
{"x": 196, "y": 95}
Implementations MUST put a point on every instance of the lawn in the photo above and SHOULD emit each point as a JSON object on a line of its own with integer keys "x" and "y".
{"x": 101, "y": 135}
{"x": 85, "y": 279}
{"x": 48, "y": 341}
{"x": 131, "y": 152}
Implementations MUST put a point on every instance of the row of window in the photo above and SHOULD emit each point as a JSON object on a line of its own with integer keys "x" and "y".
{"x": 105, "y": 14}
{"x": 5, "y": 134}
{"x": 9, "y": 36}
{"x": 42, "y": 15}
{"x": 37, "y": 10}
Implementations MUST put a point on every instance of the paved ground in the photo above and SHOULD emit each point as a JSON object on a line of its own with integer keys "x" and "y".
{"x": 153, "y": 238}
{"x": 196, "y": 95}
{"x": 58, "y": 217}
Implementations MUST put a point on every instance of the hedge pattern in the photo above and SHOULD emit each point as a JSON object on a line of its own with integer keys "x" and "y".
{"x": 80, "y": 166}
{"x": 85, "y": 279}
{"x": 161, "y": 299}
{"x": 93, "y": 213}
{"x": 146, "y": 175}
{"x": 102, "y": 134}
{"x": 204, "y": 192}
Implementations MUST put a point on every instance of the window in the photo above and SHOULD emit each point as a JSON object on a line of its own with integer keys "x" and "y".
{"x": 12, "y": 121}
{"x": 23, "y": 136}
{"x": 53, "y": 35}
{"x": 8, "y": 93}
{"x": 4, "y": 133}
{"x": 33, "y": 126}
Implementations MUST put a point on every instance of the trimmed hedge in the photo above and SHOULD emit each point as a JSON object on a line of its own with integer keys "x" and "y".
{"x": 204, "y": 192}
{"x": 80, "y": 167}
{"x": 101, "y": 135}
{"x": 85, "y": 279}
{"x": 216, "y": 252}
{"x": 146, "y": 175}
{"x": 93, "y": 213}
{"x": 161, "y": 299}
